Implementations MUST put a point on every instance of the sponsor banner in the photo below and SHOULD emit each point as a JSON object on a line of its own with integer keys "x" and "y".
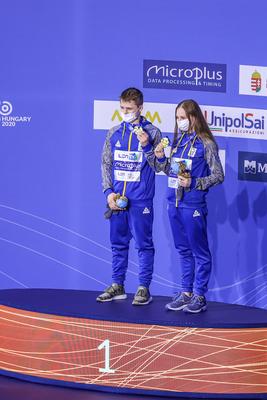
{"x": 245, "y": 123}
{"x": 184, "y": 75}
{"x": 236, "y": 122}
{"x": 128, "y": 176}
{"x": 252, "y": 166}
{"x": 253, "y": 80}
{"x": 133, "y": 156}
{"x": 127, "y": 166}
{"x": 7, "y": 119}
{"x": 107, "y": 114}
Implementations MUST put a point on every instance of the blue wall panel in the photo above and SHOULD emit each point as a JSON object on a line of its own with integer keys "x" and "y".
{"x": 57, "y": 58}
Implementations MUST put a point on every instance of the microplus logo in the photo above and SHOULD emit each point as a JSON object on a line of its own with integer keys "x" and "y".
{"x": 184, "y": 75}
{"x": 252, "y": 166}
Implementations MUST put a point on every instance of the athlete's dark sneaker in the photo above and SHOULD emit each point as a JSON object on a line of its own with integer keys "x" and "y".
{"x": 113, "y": 292}
{"x": 196, "y": 305}
{"x": 179, "y": 302}
{"x": 142, "y": 296}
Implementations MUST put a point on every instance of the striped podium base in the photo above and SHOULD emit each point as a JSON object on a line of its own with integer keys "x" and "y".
{"x": 65, "y": 337}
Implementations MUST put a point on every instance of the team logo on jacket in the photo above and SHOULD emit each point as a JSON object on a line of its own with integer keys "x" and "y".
{"x": 118, "y": 144}
{"x": 196, "y": 214}
{"x": 146, "y": 211}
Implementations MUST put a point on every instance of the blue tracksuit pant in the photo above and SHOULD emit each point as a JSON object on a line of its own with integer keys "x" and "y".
{"x": 136, "y": 222}
{"x": 189, "y": 229}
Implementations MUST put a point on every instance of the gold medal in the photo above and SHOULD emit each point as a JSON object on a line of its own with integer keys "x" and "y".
{"x": 121, "y": 201}
{"x": 137, "y": 129}
{"x": 165, "y": 142}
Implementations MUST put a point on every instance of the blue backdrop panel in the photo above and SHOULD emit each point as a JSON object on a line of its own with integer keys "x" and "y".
{"x": 57, "y": 58}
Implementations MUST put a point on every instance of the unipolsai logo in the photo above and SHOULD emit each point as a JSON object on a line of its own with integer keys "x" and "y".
{"x": 7, "y": 118}
{"x": 256, "y": 81}
{"x": 252, "y": 166}
{"x": 236, "y": 122}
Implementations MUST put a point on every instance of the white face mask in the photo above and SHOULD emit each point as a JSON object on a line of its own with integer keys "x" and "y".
{"x": 130, "y": 117}
{"x": 183, "y": 125}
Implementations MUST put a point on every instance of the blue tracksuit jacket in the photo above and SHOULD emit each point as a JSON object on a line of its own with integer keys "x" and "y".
{"x": 125, "y": 170}
{"x": 187, "y": 206}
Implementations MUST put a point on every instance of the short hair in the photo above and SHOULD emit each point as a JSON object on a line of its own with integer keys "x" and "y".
{"x": 132, "y": 94}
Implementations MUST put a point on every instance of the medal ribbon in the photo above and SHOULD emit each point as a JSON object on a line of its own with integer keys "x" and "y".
{"x": 192, "y": 144}
{"x": 129, "y": 149}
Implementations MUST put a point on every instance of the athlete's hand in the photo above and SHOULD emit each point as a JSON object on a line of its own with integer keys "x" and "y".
{"x": 184, "y": 182}
{"x": 111, "y": 199}
{"x": 142, "y": 136}
{"x": 159, "y": 151}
